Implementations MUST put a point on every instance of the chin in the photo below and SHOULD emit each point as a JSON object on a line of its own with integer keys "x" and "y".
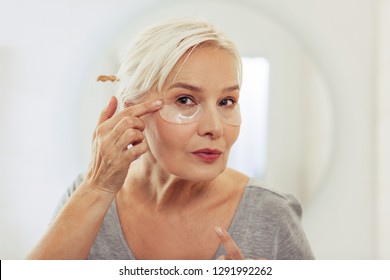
{"x": 200, "y": 174}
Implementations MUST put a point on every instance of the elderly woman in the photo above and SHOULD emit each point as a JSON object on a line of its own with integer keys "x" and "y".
{"x": 157, "y": 186}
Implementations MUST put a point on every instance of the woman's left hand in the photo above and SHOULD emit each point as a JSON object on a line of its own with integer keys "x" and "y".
{"x": 232, "y": 250}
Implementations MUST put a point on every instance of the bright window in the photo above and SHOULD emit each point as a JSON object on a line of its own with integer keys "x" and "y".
{"x": 248, "y": 154}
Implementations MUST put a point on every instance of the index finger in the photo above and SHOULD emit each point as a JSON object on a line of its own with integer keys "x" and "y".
{"x": 141, "y": 109}
{"x": 227, "y": 241}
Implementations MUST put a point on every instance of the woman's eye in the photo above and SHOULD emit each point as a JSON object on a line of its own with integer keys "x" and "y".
{"x": 227, "y": 102}
{"x": 185, "y": 100}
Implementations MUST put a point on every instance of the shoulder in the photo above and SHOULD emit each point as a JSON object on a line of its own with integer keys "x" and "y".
{"x": 261, "y": 197}
{"x": 268, "y": 224}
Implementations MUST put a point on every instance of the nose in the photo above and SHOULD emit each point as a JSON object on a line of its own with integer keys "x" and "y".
{"x": 210, "y": 123}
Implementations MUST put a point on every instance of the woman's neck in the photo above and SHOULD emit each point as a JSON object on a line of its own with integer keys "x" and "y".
{"x": 164, "y": 191}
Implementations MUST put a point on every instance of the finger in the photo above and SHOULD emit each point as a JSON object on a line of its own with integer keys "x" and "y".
{"x": 137, "y": 110}
{"x": 141, "y": 109}
{"x": 116, "y": 136}
{"x": 129, "y": 122}
{"x": 124, "y": 124}
{"x": 232, "y": 250}
{"x": 109, "y": 111}
{"x": 136, "y": 151}
{"x": 129, "y": 137}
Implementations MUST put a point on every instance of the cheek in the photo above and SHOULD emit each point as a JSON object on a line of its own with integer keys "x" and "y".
{"x": 165, "y": 138}
{"x": 231, "y": 135}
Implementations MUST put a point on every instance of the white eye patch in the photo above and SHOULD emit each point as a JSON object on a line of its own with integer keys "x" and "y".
{"x": 185, "y": 111}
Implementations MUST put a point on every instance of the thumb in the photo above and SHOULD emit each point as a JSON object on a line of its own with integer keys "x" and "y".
{"x": 109, "y": 111}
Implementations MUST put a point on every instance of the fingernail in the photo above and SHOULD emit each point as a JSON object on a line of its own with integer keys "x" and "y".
{"x": 219, "y": 231}
{"x": 157, "y": 103}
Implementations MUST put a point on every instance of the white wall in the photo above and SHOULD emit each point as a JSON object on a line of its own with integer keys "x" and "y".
{"x": 382, "y": 125}
{"x": 339, "y": 219}
{"x": 49, "y": 55}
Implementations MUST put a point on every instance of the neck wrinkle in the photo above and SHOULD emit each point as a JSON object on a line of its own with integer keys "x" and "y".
{"x": 162, "y": 190}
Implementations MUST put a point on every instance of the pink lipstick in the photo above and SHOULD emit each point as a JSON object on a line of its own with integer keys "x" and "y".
{"x": 208, "y": 155}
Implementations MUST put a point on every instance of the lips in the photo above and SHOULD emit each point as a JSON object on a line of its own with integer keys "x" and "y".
{"x": 208, "y": 155}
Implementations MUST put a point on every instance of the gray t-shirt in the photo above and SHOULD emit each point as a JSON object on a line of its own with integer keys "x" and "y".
{"x": 265, "y": 225}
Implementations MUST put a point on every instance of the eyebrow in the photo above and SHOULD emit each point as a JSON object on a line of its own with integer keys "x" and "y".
{"x": 232, "y": 88}
{"x": 198, "y": 89}
{"x": 185, "y": 86}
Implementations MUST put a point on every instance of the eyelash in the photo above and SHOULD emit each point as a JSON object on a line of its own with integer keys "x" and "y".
{"x": 181, "y": 98}
{"x": 233, "y": 101}
{"x": 185, "y": 98}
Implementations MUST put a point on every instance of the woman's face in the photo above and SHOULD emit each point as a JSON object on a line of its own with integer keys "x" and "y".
{"x": 197, "y": 150}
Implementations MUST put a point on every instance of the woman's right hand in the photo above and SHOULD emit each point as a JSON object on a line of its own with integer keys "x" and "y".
{"x": 111, "y": 156}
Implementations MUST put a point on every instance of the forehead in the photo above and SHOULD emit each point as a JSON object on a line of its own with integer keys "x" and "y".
{"x": 205, "y": 64}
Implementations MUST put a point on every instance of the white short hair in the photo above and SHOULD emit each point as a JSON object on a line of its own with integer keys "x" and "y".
{"x": 152, "y": 56}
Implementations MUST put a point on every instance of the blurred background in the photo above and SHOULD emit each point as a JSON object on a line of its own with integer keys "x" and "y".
{"x": 315, "y": 102}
